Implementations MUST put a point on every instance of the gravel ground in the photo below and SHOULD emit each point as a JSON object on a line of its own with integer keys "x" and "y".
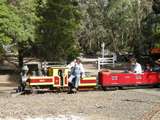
{"x": 91, "y": 105}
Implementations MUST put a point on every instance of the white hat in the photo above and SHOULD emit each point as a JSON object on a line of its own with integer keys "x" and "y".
{"x": 78, "y": 58}
{"x": 157, "y": 61}
{"x": 25, "y": 68}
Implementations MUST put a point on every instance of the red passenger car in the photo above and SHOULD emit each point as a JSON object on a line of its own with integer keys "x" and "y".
{"x": 107, "y": 79}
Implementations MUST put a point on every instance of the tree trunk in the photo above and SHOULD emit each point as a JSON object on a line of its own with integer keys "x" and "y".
{"x": 20, "y": 58}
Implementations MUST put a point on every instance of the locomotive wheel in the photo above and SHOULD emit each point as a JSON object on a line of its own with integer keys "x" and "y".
{"x": 120, "y": 88}
{"x": 156, "y": 86}
{"x": 104, "y": 88}
{"x": 59, "y": 89}
{"x": 33, "y": 90}
{"x": 110, "y": 88}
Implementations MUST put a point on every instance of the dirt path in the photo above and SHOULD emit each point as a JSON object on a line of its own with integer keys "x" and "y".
{"x": 92, "y": 105}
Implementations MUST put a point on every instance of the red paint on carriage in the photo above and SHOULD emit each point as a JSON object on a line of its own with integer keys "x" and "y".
{"x": 56, "y": 80}
{"x": 87, "y": 81}
{"x": 66, "y": 79}
{"x": 151, "y": 78}
{"x": 124, "y": 79}
{"x": 41, "y": 80}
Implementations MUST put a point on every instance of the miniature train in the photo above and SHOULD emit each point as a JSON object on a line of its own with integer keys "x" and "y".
{"x": 57, "y": 80}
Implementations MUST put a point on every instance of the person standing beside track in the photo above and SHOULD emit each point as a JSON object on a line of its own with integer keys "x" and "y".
{"x": 77, "y": 72}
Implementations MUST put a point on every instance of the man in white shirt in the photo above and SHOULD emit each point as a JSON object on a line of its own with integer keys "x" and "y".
{"x": 77, "y": 72}
{"x": 135, "y": 66}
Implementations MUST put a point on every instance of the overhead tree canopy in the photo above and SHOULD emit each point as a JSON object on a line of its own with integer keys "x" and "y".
{"x": 18, "y": 24}
{"x": 10, "y": 26}
{"x": 117, "y": 23}
{"x": 60, "y": 29}
{"x": 60, "y": 19}
{"x": 151, "y": 26}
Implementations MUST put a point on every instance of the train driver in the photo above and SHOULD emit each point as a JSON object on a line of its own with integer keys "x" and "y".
{"x": 77, "y": 72}
{"x": 135, "y": 66}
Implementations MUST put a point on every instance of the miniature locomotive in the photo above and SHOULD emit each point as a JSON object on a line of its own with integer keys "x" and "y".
{"x": 57, "y": 79}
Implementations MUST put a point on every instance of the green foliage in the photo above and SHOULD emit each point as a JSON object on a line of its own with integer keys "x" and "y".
{"x": 119, "y": 14}
{"x": 92, "y": 32}
{"x": 124, "y": 24}
{"x": 60, "y": 29}
{"x": 18, "y": 24}
{"x": 60, "y": 19}
{"x": 115, "y": 22}
{"x": 26, "y": 10}
{"x": 72, "y": 54}
{"x": 156, "y": 6}
{"x": 9, "y": 22}
{"x": 151, "y": 26}
{"x": 157, "y": 45}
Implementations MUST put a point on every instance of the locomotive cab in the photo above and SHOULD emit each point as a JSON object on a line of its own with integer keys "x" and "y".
{"x": 56, "y": 77}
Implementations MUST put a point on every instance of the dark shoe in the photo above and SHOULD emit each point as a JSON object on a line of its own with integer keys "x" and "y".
{"x": 70, "y": 92}
{"x": 74, "y": 90}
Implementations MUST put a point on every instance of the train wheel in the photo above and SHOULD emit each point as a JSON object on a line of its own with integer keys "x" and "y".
{"x": 104, "y": 88}
{"x": 156, "y": 86}
{"x": 59, "y": 89}
{"x": 111, "y": 88}
{"x": 120, "y": 88}
{"x": 34, "y": 90}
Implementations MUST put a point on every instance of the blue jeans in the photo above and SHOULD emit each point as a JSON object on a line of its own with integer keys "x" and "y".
{"x": 75, "y": 80}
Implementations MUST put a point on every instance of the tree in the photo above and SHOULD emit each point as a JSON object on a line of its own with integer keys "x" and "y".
{"x": 9, "y": 24}
{"x": 92, "y": 32}
{"x": 27, "y": 11}
{"x": 151, "y": 26}
{"x": 115, "y": 22}
{"x": 156, "y": 6}
{"x": 18, "y": 24}
{"x": 123, "y": 21}
{"x": 60, "y": 19}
